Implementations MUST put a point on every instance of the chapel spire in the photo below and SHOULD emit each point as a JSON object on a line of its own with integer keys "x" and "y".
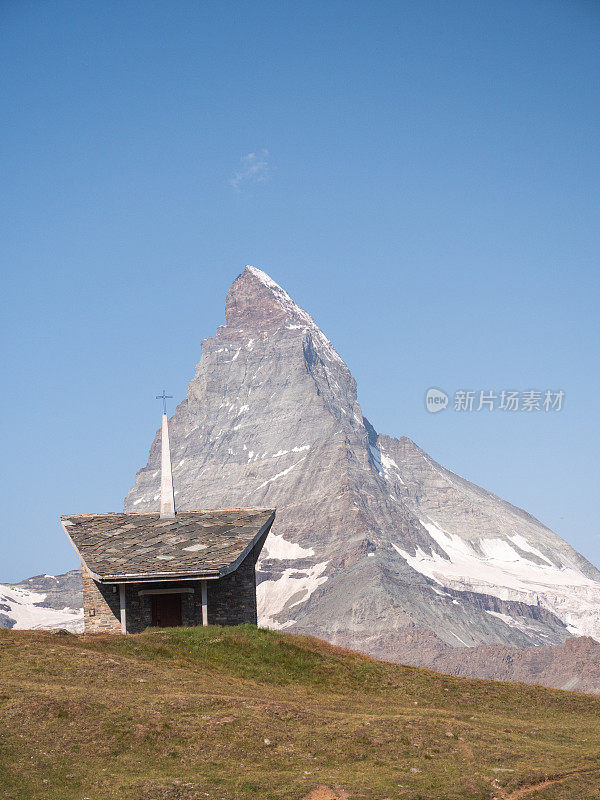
{"x": 167, "y": 497}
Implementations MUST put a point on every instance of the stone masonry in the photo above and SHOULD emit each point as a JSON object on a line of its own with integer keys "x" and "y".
{"x": 100, "y": 606}
{"x": 231, "y": 601}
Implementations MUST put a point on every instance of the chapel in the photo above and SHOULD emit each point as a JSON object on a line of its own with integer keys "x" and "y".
{"x": 168, "y": 568}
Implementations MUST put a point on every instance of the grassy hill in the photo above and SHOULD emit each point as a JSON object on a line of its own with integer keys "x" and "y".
{"x": 246, "y": 713}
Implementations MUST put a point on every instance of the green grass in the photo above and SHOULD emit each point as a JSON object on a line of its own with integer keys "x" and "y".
{"x": 246, "y": 713}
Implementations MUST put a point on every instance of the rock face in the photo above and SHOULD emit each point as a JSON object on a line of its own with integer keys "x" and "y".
{"x": 45, "y": 601}
{"x": 375, "y": 545}
{"x": 574, "y": 665}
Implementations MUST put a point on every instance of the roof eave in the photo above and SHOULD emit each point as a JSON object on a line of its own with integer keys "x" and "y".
{"x": 262, "y": 534}
{"x": 155, "y": 577}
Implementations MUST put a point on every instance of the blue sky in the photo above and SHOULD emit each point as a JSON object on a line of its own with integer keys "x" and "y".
{"x": 422, "y": 177}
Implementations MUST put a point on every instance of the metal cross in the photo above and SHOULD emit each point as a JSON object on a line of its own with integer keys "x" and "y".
{"x": 164, "y": 397}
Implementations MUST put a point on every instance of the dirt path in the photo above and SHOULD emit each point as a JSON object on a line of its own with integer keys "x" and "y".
{"x": 525, "y": 791}
{"x": 326, "y": 793}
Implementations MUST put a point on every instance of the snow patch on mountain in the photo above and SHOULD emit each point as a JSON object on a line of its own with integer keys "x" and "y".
{"x": 384, "y": 465}
{"x": 501, "y": 571}
{"x": 277, "y": 547}
{"x": 24, "y": 610}
{"x": 519, "y": 623}
{"x": 388, "y": 465}
{"x": 273, "y": 596}
{"x": 279, "y": 474}
{"x": 522, "y": 543}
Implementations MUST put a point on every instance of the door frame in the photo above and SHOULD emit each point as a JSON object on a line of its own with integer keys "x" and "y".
{"x": 176, "y": 609}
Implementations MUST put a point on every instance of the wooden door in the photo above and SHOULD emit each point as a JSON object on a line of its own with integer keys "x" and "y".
{"x": 166, "y": 610}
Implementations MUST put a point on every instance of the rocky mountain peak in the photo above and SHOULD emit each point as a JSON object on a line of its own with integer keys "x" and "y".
{"x": 373, "y": 538}
{"x": 255, "y": 302}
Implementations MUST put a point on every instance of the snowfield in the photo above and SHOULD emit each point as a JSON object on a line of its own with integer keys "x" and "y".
{"x": 503, "y": 572}
{"x": 272, "y": 596}
{"x": 23, "y": 608}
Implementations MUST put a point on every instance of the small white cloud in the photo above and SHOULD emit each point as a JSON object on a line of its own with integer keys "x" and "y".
{"x": 254, "y": 167}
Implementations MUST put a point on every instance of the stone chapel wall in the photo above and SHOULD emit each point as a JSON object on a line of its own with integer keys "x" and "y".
{"x": 101, "y": 607}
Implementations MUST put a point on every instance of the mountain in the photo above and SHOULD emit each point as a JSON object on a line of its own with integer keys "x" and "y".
{"x": 44, "y": 602}
{"x": 375, "y": 545}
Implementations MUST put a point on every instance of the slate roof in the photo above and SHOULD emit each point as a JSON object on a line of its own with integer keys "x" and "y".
{"x": 141, "y": 547}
